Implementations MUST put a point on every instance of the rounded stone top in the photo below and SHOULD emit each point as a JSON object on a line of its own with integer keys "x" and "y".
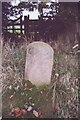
{"x": 39, "y": 46}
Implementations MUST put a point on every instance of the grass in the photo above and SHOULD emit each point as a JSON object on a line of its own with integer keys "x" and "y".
{"x": 57, "y": 100}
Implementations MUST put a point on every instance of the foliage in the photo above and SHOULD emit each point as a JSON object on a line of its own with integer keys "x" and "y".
{"x": 6, "y": 10}
{"x": 68, "y": 12}
{"x": 9, "y": 11}
{"x": 61, "y": 19}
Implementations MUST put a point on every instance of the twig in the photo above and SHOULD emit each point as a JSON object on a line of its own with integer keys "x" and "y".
{"x": 54, "y": 93}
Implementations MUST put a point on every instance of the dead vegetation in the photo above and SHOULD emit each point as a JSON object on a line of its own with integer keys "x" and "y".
{"x": 59, "y": 99}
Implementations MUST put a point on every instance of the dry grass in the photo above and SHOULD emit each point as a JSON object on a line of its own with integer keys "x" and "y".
{"x": 63, "y": 90}
{"x": 65, "y": 81}
{"x": 13, "y": 66}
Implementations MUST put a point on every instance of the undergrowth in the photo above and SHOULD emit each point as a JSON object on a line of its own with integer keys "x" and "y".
{"x": 57, "y": 100}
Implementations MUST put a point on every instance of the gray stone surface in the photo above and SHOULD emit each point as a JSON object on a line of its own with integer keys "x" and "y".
{"x": 39, "y": 63}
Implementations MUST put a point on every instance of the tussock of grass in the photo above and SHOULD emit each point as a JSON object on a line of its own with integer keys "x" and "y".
{"x": 13, "y": 66}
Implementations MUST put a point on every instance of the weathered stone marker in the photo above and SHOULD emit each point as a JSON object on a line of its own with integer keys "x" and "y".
{"x": 39, "y": 63}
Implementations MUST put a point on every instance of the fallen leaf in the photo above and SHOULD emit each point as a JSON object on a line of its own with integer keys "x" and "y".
{"x": 26, "y": 88}
{"x": 10, "y": 87}
{"x": 35, "y": 113}
{"x": 18, "y": 111}
{"x": 29, "y": 108}
{"x": 24, "y": 112}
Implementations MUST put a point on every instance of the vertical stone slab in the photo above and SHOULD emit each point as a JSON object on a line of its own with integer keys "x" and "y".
{"x": 39, "y": 63}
